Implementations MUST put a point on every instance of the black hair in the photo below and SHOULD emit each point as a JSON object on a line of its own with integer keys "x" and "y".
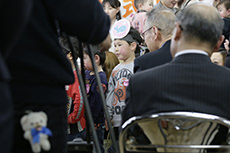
{"x": 226, "y": 4}
{"x": 114, "y": 4}
{"x": 136, "y": 36}
{"x": 96, "y": 51}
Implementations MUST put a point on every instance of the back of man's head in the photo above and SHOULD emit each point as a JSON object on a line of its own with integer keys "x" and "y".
{"x": 163, "y": 19}
{"x": 201, "y": 23}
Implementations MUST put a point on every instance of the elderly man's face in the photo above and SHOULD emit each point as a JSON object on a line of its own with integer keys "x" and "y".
{"x": 148, "y": 36}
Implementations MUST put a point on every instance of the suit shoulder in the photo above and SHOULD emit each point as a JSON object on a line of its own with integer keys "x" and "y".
{"x": 226, "y": 70}
{"x": 147, "y": 56}
{"x": 143, "y": 57}
{"x": 151, "y": 71}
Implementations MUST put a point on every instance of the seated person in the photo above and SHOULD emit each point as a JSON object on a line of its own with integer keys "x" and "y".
{"x": 190, "y": 82}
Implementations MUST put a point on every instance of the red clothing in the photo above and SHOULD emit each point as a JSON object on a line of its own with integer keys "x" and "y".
{"x": 74, "y": 94}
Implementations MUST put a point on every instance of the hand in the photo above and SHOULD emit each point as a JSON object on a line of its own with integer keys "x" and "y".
{"x": 106, "y": 44}
{"x": 107, "y": 125}
{"x": 226, "y": 45}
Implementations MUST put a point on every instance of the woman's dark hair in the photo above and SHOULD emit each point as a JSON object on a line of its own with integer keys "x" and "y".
{"x": 136, "y": 36}
{"x": 96, "y": 51}
{"x": 114, "y": 4}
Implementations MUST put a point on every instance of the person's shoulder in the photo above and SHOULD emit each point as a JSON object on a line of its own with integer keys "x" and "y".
{"x": 225, "y": 69}
{"x": 150, "y": 54}
{"x": 103, "y": 76}
{"x": 145, "y": 56}
{"x": 222, "y": 73}
{"x": 220, "y": 70}
{"x": 117, "y": 67}
{"x": 157, "y": 70}
{"x": 226, "y": 19}
{"x": 87, "y": 73}
{"x": 149, "y": 75}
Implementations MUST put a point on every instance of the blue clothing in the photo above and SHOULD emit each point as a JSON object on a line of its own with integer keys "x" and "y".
{"x": 94, "y": 97}
{"x": 100, "y": 134}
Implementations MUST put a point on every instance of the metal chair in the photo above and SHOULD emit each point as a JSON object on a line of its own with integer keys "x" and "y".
{"x": 177, "y": 132}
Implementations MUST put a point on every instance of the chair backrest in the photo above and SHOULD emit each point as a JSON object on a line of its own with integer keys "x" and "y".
{"x": 174, "y": 132}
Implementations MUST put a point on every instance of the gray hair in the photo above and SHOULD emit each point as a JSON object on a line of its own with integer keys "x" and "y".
{"x": 163, "y": 19}
{"x": 200, "y": 24}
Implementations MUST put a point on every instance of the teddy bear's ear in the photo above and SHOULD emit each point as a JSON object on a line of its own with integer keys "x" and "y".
{"x": 43, "y": 115}
{"x": 24, "y": 120}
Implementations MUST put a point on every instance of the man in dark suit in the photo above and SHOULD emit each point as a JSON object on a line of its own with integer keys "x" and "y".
{"x": 14, "y": 15}
{"x": 191, "y": 82}
{"x": 157, "y": 34}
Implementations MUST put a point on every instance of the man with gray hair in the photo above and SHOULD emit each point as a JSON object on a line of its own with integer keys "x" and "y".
{"x": 190, "y": 82}
{"x": 157, "y": 34}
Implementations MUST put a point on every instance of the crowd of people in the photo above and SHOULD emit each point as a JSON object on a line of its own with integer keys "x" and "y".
{"x": 184, "y": 68}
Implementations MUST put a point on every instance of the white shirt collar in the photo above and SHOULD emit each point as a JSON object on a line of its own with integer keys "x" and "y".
{"x": 189, "y": 51}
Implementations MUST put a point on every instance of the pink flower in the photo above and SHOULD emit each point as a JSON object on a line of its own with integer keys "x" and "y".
{"x": 87, "y": 88}
{"x": 126, "y": 83}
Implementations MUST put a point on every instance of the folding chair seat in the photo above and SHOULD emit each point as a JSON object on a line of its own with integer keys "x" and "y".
{"x": 175, "y": 132}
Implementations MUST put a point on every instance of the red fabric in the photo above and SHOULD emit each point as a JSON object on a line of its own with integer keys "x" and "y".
{"x": 78, "y": 112}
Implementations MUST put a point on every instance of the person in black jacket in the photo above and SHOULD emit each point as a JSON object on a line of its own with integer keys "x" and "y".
{"x": 157, "y": 34}
{"x": 13, "y": 20}
{"x": 40, "y": 69}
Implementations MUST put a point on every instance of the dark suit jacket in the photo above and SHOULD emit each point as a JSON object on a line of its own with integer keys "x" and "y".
{"x": 152, "y": 59}
{"x": 191, "y": 82}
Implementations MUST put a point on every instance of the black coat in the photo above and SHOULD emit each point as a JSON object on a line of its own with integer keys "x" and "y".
{"x": 14, "y": 16}
{"x": 191, "y": 82}
{"x": 154, "y": 58}
{"x": 37, "y": 60}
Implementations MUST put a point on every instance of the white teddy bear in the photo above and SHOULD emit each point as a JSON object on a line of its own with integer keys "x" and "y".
{"x": 34, "y": 125}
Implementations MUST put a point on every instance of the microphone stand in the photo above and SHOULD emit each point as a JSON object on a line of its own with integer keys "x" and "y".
{"x": 84, "y": 95}
{"x": 114, "y": 143}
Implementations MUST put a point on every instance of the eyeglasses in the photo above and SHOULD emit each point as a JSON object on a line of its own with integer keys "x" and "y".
{"x": 144, "y": 32}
